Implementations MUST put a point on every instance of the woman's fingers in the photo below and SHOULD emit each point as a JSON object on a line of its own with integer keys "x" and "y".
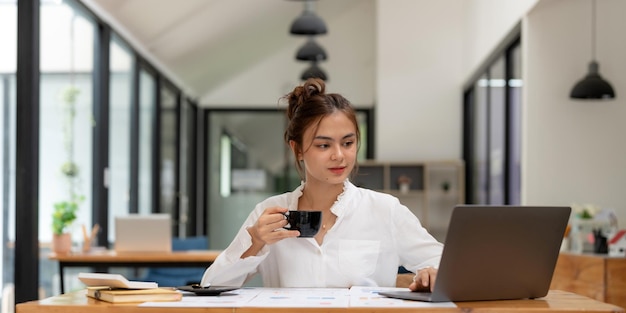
{"x": 424, "y": 279}
{"x": 269, "y": 226}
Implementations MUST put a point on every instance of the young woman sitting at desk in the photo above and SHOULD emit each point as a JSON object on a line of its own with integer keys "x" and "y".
{"x": 365, "y": 235}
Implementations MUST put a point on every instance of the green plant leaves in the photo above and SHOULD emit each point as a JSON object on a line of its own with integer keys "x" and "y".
{"x": 65, "y": 213}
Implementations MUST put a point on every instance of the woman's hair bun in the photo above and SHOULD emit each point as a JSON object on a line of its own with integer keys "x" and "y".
{"x": 314, "y": 86}
{"x": 301, "y": 94}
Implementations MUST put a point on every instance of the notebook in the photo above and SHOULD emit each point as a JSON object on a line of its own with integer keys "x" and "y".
{"x": 497, "y": 253}
{"x": 143, "y": 233}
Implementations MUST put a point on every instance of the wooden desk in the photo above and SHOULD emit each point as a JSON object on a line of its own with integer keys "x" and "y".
{"x": 556, "y": 301}
{"x": 593, "y": 275}
{"x": 108, "y": 258}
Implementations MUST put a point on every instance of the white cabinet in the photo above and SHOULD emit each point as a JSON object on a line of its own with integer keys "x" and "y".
{"x": 434, "y": 188}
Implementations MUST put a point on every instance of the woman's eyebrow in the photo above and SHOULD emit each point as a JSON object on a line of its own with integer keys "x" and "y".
{"x": 350, "y": 135}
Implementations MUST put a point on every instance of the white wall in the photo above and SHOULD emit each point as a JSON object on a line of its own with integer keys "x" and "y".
{"x": 418, "y": 82}
{"x": 573, "y": 151}
{"x": 425, "y": 52}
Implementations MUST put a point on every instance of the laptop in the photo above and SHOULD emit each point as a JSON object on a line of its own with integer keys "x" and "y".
{"x": 143, "y": 233}
{"x": 496, "y": 253}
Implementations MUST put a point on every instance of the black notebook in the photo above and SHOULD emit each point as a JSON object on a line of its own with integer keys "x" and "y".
{"x": 497, "y": 253}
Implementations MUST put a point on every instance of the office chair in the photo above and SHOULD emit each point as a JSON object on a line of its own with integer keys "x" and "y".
{"x": 179, "y": 276}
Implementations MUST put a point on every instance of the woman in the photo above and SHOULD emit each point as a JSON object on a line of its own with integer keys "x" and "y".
{"x": 365, "y": 235}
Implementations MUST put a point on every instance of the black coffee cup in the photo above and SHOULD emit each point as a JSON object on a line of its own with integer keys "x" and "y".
{"x": 306, "y": 222}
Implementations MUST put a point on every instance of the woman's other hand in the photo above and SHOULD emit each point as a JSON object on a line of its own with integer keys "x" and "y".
{"x": 424, "y": 280}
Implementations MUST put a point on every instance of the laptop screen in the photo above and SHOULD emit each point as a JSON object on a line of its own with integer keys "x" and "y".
{"x": 143, "y": 233}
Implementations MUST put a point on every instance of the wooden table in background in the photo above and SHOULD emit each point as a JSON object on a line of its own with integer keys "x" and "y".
{"x": 593, "y": 275}
{"x": 555, "y": 302}
{"x": 108, "y": 258}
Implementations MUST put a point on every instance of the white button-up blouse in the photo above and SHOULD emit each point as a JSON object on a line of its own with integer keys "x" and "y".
{"x": 372, "y": 236}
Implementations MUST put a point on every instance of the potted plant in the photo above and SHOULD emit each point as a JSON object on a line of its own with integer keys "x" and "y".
{"x": 65, "y": 210}
{"x": 62, "y": 217}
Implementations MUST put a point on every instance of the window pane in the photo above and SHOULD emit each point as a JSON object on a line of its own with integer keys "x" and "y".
{"x": 121, "y": 83}
{"x": 168, "y": 160}
{"x": 479, "y": 150}
{"x": 147, "y": 86}
{"x": 66, "y": 121}
{"x": 497, "y": 131}
{"x": 190, "y": 222}
{"x": 8, "y": 64}
{"x": 515, "y": 127}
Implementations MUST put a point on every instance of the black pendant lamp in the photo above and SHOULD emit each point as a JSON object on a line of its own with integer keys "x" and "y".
{"x": 593, "y": 86}
{"x": 311, "y": 51}
{"x": 314, "y": 71}
{"x": 308, "y": 23}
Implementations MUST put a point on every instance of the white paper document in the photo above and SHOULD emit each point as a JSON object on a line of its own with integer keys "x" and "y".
{"x": 230, "y": 299}
{"x": 369, "y": 297}
{"x": 300, "y": 298}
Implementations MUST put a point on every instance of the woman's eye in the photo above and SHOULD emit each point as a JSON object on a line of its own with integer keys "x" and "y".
{"x": 348, "y": 143}
{"x": 323, "y": 146}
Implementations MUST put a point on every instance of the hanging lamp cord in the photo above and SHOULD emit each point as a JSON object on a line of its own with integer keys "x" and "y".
{"x": 593, "y": 30}
{"x": 308, "y": 6}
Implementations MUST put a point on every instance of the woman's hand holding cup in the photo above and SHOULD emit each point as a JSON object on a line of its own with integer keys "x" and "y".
{"x": 268, "y": 229}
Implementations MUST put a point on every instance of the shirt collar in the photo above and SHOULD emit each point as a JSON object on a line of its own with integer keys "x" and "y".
{"x": 340, "y": 205}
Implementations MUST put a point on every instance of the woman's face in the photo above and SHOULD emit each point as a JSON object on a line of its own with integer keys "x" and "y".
{"x": 329, "y": 151}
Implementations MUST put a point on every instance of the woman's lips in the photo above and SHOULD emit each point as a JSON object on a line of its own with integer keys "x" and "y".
{"x": 337, "y": 170}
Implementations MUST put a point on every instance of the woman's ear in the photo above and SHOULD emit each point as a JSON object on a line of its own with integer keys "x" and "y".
{"x": 295, "y": 150}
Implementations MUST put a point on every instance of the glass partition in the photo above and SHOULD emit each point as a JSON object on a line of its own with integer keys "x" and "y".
{"x": 479, "y": 126}
{"x": 247, "y": 163}
{"x": 168, "y": 145}
{"x": 147, "y": 107}
{"x": 120, "y": 95}
{"x": 191, "y": 220}
{"x": 497, "y": 131}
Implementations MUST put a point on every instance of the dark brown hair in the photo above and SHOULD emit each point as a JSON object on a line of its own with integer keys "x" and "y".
{"x": 308, "y": 104}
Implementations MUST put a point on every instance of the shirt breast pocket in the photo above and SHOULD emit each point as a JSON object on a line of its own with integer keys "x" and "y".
{"x": 358, "y": 258}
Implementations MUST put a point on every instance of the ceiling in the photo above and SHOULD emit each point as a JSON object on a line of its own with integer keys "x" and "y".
{"x": 199, "y": 43}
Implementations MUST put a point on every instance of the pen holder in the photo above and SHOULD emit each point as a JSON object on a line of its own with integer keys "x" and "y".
{"x": 89, "y": 238}
{"x": 86, "y": 245}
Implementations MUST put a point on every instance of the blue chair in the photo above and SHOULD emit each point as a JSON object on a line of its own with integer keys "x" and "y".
{"x": 179, "y": 276}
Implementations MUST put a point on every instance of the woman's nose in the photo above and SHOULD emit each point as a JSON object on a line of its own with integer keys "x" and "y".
{"x": 337, "y": 153}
